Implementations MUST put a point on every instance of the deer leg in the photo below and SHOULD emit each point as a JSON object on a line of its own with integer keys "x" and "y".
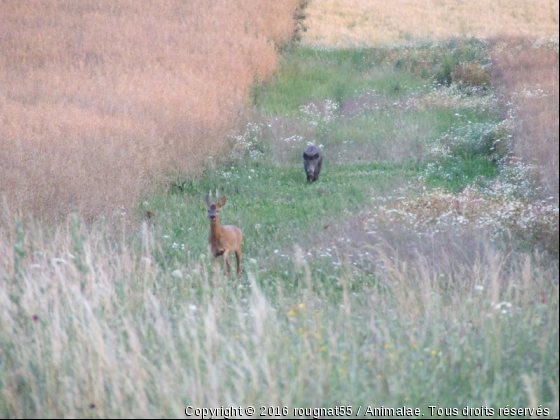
{"x": 227, "y": 265}
{"x": 216, "y": 266}
{"x": 238, "y": 260}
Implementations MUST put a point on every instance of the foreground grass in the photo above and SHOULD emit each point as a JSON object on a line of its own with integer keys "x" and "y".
{"x": 330, "y": 310}
{"x": 122, "y": 336}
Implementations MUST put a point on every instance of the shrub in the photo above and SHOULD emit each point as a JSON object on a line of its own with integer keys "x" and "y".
{"x": 471, "y": 75}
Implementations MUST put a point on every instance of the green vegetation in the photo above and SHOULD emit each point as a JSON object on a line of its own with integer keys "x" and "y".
{"x": 308, "y": 74}
{"x": 375, "y": 139}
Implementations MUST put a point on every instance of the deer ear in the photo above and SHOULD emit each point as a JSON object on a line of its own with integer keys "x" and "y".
{"x": 208, "y": 201}
{"x": 221, "y": 202}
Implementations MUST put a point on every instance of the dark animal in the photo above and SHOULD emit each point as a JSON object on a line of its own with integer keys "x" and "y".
{"x": 312, "y": 161}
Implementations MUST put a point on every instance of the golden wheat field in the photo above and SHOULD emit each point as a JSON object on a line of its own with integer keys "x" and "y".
{"x": 101, "y": 100}
{"x": 372, "y": 23}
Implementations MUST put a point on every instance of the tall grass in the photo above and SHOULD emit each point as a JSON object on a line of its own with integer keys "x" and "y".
{"x": 92, "y": 327}
{"x": 527, "y": 72}
{"x": 100, "y": 101}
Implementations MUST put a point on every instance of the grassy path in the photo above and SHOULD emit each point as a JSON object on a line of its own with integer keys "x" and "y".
{"x": 375, "y": 113}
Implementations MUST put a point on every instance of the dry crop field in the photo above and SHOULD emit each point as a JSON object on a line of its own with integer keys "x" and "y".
{"x": 363, "y": 23}
{"x": 101, "y": 101}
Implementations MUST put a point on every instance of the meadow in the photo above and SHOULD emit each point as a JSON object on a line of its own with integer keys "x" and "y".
{"x": 339, "y": 303}
{"x": 420, "y": 270}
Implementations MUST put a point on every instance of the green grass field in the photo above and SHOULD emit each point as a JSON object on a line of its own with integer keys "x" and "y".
{"x": 332, "y": 309}
{"x": 368, "y": 319}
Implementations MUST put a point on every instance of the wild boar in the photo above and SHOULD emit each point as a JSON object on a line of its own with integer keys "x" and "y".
{"x": 312, "y": 161}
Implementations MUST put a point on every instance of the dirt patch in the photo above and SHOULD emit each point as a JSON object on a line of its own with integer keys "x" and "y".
{"x": 356, "y": 106}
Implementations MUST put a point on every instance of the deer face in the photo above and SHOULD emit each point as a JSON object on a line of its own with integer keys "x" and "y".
{"x": 213, "y": 213}
{"x": 214, "y": 209}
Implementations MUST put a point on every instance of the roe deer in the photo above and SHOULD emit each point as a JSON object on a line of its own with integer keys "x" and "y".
{"x": 223, "y": 239}
{"x": 312, "y": 161}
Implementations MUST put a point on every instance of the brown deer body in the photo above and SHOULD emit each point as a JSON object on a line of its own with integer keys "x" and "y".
{"x": 223, "y": 240}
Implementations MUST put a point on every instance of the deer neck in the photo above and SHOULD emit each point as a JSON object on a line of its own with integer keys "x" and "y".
{"x": 215, "y": 229}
